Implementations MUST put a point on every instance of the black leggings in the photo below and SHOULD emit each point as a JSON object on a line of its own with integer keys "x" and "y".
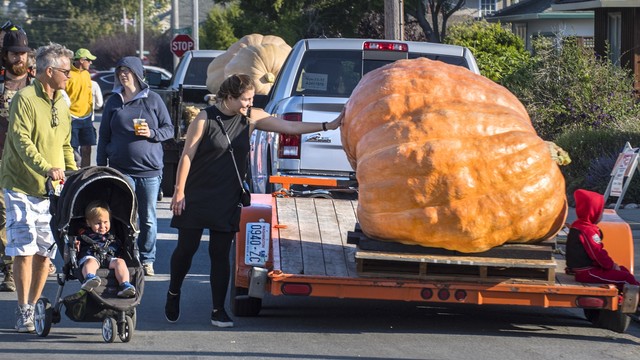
{"x": 219, "y": 246}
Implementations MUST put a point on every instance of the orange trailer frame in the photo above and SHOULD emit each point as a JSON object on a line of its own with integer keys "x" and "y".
{"x": 564, "y": 294}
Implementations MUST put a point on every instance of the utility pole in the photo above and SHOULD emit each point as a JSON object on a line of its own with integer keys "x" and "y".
{"x": 175, "y": 25}
{"x": 124, "y": 19}
{"x": 141, "y": 29}
{"x": 392, "y": 24}
{"x": 196, "y": 23}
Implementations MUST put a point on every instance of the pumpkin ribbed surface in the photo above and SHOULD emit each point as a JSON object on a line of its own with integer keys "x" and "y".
{"x": 259, "y": 56}
{"x": 447, "y": 158}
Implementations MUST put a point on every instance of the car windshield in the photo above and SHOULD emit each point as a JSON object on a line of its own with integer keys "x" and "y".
{"x": 197, "y": 72}
{"x": 336, "y": 73}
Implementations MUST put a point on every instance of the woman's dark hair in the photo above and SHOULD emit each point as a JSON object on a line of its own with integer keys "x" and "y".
{"x": 234, "y": 86}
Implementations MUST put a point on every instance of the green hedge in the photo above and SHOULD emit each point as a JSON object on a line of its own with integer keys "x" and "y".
{"x": 593, "y": 154}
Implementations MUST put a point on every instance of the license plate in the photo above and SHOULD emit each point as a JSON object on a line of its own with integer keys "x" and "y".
{"x": 256, "y": 250}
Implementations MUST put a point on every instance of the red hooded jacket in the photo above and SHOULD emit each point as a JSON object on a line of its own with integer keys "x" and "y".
{"x": 585, "y": 232}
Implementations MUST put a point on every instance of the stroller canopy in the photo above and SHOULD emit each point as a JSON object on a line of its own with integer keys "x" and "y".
{"x": 90, "y": 184}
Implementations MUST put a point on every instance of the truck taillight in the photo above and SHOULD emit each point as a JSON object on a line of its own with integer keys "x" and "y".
{"x": 385, "y": 46}
{"x": 289, "y": 145}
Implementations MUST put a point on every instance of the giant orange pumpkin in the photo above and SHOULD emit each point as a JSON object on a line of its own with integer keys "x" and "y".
{"x": 447, "y": 158}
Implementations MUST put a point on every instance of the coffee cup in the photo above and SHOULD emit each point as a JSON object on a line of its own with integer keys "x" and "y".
{"x": 137, "y": 124}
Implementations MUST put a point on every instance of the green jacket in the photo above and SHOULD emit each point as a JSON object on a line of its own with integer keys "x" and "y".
{"x": 33, "y": 144}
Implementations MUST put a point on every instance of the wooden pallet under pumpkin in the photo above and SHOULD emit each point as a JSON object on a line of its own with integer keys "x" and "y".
{"x": 515, "y": 262}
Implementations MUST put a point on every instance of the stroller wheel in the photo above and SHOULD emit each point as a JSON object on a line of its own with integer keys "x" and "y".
{"x": 126, "y": 331}
{"x": 109, "y": 329}
{"x": 134, "y": 318}
{"x": 42, "y": 317}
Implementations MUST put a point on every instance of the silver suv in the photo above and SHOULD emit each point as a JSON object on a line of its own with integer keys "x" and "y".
{"x": 313, "y": 85}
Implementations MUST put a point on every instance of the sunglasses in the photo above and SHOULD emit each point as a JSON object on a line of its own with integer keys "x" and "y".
{"x": 55, "y": 121}
{"x": 65, "y": 72}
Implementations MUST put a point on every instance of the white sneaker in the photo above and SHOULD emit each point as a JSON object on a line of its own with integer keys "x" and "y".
{"x": 24, "y": 323}
{"x": 148, "y": 269}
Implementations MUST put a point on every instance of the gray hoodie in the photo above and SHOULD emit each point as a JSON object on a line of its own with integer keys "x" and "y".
{"x": 118, "y": 146}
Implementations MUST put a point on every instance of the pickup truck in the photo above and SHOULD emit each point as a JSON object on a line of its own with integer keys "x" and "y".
{"x": 186, "y": 87}
{"x": 314, "y": 83}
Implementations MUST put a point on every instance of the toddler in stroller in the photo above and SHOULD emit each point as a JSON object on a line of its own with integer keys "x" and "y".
{"x": 98, "y": 247}
{"x": 109, "y": 293}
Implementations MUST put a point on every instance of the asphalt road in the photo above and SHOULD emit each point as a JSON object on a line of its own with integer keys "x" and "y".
{"x": 307, "y": 328}
{"x": 311, "y": 328}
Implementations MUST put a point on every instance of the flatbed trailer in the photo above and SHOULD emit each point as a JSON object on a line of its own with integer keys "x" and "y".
{"x": 302, "y": 247}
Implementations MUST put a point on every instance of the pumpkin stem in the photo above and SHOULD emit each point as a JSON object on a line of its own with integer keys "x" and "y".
{"x": 559, "y": 155}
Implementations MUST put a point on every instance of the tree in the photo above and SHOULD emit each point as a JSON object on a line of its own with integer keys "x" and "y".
{"x": 295, "y": 20}
{"x": 498, "y": 51}
{"x": 76, "y": 23}
{"x": 440, "y": 10}
{"x": 217, "y": 31}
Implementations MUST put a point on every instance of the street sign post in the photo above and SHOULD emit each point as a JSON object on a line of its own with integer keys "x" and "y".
{"x": 181, "y": 43}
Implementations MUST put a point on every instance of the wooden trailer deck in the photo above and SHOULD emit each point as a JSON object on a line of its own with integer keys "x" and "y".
{"x": 315, "y": 238}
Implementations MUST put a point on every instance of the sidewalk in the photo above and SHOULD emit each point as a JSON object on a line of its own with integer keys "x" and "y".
{"x": 631, "y": 216}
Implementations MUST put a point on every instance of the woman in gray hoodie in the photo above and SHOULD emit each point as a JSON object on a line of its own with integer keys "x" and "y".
{"x": 136, "y": 153}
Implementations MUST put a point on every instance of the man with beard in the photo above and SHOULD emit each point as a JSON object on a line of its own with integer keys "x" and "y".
{"x": 15, "y": 47}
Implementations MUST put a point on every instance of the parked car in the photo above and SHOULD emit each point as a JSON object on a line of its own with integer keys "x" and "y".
{"x": 314, "y": 83}
{"x": 104, "y": 78}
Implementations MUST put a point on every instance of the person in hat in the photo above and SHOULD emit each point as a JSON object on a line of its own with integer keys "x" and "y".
{"x": 14, "y": 54}
{"x": 37, "y": 147}
{"x": 80, "y": 91}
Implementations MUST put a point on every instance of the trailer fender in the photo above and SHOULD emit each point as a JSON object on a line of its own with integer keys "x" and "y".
{"x": 617, "y": 239}
{"x": 260, "y": 211}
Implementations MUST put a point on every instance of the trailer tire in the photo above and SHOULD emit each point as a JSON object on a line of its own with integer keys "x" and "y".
{"x": 616, "y": 321}
{"x": 241, "y": 303}
{"x": 592, "y": 315}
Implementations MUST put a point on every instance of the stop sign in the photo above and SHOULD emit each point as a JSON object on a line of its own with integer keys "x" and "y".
{"x": 181, "y": 43}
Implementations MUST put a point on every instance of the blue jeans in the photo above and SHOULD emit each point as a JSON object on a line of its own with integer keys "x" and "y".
{"x": 146, "y": 190}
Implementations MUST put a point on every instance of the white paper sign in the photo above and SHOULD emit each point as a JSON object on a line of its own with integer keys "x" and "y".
{"x": 314, "y": 81}
{"x": 621, "y": 169}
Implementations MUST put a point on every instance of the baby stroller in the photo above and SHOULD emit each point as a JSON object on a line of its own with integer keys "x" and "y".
{"x": 118, "y": 315}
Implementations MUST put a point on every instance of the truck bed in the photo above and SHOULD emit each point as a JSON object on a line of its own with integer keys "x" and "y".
{"x": 310, "y": 246}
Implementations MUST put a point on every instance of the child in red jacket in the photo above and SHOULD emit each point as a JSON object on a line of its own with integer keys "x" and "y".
{"x": 586, "y": 256}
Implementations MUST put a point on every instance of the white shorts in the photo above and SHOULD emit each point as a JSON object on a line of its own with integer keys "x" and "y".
{"x": 28, "y": 225}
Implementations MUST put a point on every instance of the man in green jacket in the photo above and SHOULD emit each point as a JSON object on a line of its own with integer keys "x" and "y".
{"x": 37, "y": 146}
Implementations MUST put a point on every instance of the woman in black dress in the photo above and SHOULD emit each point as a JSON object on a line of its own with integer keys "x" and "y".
{"x": 197, "y": 205}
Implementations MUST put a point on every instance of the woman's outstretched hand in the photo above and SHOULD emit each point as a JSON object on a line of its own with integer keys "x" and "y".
{"x": 336, "y": 122}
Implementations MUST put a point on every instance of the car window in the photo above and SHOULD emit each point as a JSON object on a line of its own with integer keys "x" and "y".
{"x": 329, "y": 73}
{"x": 197, "y": 72}
{"x": 452, "y": 60}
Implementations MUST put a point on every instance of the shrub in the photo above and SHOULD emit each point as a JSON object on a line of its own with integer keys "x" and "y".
{"x": 566, "y": 87}
{"x": 593, "y": 154}
{"x": 498, "y": 51}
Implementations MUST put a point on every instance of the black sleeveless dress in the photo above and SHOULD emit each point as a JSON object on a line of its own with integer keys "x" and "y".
{"x": 212, "y": 191}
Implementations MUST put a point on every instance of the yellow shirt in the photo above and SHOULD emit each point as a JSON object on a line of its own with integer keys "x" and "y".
{"x": 80, "y": 93}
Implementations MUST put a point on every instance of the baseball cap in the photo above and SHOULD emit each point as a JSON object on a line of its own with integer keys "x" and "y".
{"x": 84, "y": 53}
{"x": 16, "y": 41}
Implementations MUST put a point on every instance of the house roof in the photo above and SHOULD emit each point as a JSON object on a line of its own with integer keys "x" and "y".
{"x": 572, "y": 5}
{"x": 535, "y": 9}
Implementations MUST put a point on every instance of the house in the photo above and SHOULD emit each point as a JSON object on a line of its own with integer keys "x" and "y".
{"x": 531, "y": 18}
{"x": 616, "y": 27}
